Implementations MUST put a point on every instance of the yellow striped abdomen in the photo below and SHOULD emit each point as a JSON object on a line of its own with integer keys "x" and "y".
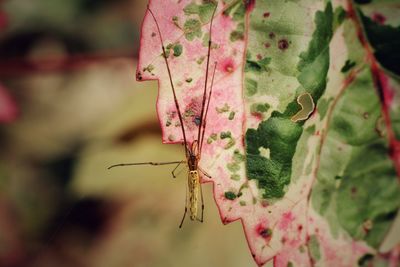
{"x": 194, "y": 187}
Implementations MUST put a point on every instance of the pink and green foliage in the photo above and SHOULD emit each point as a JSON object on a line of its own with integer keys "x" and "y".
{"x": 303, "y": 127}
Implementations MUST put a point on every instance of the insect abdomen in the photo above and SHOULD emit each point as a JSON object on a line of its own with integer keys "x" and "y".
{"x": 193, "y": 184}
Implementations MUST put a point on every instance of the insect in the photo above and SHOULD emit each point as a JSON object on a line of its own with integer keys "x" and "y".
{"x": 193, "y": 149}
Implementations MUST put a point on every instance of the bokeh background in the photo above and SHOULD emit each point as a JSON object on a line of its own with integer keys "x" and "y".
{"x": 71, "y": 107}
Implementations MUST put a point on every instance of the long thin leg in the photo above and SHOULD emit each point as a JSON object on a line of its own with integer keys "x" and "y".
{"x": 203, "y": 172}
{"x": 144, "y": 163}
{"x": 186, "y": 204}
{"x": 173, "y": 171}
{"x": 206, "y": 79}
{"x": 202, "y": 203}
{"x": 170, "y": 80}
{"x": 208, "y": 105}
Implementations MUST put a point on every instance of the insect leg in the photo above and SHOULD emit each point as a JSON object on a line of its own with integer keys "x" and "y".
{"x": 170, "y": 80}
{"x": 203, "y": 130}
{"x": 206, "y": 79}
{"x": 203, "y": 172}
{"x": 176, "y": 167}
{"x": 186, "y": 204}
{"x": 202, "y": 203}
{"x": 144, "y": 163}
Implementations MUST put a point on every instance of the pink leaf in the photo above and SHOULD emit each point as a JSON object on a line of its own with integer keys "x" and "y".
{"x": 294, "y": 110}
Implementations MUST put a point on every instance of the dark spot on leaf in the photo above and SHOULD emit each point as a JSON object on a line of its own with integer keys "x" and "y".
{"x": 265, "y": 233}
{"x": 271, "y": 35}
{"x": 364, "y": 260}
{"x": 266, "y": 14}
{"x": 230, "y": 195}
{"x": 197, "y": 121}
{"x": 139, "y": 76}
{"x": 153, "y": 34}
{"x": 378, "y": 18}
{"x": 353, "y": 190}
{"x": 267, "y": 45}
{"x": 283, "y": 44}
{"x": 347, "y": 66}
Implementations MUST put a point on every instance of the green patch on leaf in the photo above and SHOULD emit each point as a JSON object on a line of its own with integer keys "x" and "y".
{"x": 259, "y": 108}
{"x": 231, "y": 115}
{"x": 224, "y": 135}
{"x": 224, "y": 108}
{"x": 192, "y": 29}
{"x": 348, "y": 65}
{"x": 251, "y": 87}
{"x": 230, "y": 143}
{"x": 257, "y": 66}
{"x": 213, "y": 137}
{"x": 349, "y": 120}
{"x": 233, "y": 166}
{"x": 237, "y": 156}
{"x": 313, "y": 246}
{"x": 235, "y": 177}
{"x": 338, "y": 17}
{"x": 204, "y": 11}
{"x": 311, "y": 129}
{"x": 230, "y": 195}
{"x": 356, "y": 186}
{"x": 235, "y": 9}
{"x": 314, "y": 63}
{"x": 369, "y": 195}
{"x": 177, "y": 50}
{"x": 238, "y": 33}
{"x": 272, "y": 174}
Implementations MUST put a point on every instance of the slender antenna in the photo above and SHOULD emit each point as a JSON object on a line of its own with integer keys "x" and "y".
{"x": 208, "y": 105}
{"x": 170, "y": 79}
{"x": 144, "y": 163}
{"x": 206, "y": 80}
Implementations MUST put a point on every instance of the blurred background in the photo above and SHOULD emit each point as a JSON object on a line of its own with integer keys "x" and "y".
{"x": 69, "y": 108}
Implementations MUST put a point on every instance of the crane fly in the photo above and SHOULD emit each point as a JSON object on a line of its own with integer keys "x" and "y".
{"x": 193, "y": 150}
